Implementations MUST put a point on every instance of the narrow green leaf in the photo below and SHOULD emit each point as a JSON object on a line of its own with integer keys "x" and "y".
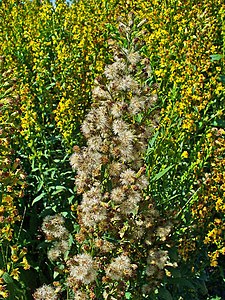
{"x": 162, "y": 173}
{"x": 38, "y": 198}
{"x": 60, "y": 187}
{"x": 152, "y": 141}
{"x": 40, "y": 185}
{"x": 55, "y": 274}
{"x": 138, "y": 118}
{"x": 50, "y": 86}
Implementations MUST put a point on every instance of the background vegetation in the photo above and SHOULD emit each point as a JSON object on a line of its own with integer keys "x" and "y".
{"x": 50, "y": 57}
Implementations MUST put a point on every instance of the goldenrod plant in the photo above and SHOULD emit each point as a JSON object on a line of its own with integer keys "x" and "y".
{"x": 12, "y": 184}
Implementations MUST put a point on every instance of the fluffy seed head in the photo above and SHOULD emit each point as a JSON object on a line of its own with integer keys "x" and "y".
{"x": 46, "y": 292}
{"x": 82, "y": 269}
{"x": 119, "y": 268}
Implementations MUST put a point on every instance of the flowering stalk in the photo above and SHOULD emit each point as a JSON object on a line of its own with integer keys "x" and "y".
{"x": 12, "y": 185}
{"x": 121, "y": 231}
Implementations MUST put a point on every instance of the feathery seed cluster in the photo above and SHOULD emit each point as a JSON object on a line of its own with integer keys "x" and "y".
{"x": 120, "y": 230}
{"x": 55, "y": 231}
{"x": 46, "y": 292}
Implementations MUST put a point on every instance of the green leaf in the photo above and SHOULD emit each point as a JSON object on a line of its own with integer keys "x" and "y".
{"x": 59, "y": 189}
{"x": 7, "y": 278}
{"x": 127, "y": 295}
{"x": 55, "y": 274}
{"x": 138, "y": 118}
{"x": 38, "y": 198}
{"x": 202, "y": 286}
{"x": 64, "y": 214}
{"x": 215, "y": 57}
{"x": 182, "y": 282}
{"x": 162, "y": 173}
{"x": 152, "y": 141}
{"x": 50, "y": 86}
{"x": 222, "y": 78}
{"x": 70, "y": 199}
{"x": 219, "y": 123}
{"x": 164, "y": 294}
{"x": 40, "y": 185}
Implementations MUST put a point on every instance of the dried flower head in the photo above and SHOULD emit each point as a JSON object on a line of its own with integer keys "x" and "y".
{"x": 82, "y": 268}
{"x": 46, "y": 292}
{"x": 119, "y": 268}
{"x": 54, "y": 228}
{"x": 58, "y": 249}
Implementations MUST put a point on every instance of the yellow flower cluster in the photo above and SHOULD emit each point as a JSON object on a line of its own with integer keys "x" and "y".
{"x": 12, "y": 180}
{"x": 208, "y": 208}
{"x": 182, "y": 37}
{"x": 12, "y": 268}
{"x": 57, "y": 52}
{"x": 64, "y": 48}
{"x": 214, "y": 196}
{"x": 81, "y": 56}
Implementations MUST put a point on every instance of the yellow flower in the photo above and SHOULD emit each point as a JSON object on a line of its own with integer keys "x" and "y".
{"x": 14, "y": 258}
{"x": 2, "y": 209}
{"x": 185, "y": 154}
{"x": 15, "y": 273}
{"x": 25, "y": 264}
{"x": 3, "y": 293}
{"x": 214, "y": 263}
{"x": 222, "y": 251}
{"x": 209, "y": 135}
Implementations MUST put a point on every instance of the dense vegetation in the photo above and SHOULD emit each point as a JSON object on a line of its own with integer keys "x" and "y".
{"x": 112, "y": 140}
